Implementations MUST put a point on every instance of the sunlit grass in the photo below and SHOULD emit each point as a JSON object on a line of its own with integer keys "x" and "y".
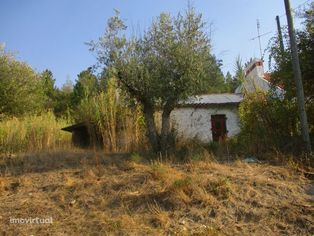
{"x": 33, "y": 132}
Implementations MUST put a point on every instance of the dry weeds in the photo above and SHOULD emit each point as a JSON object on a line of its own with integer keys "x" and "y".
{"x": 119, "y": 196}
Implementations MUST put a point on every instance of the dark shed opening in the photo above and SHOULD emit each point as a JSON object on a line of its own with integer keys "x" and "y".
{"x": 84, "y": 135}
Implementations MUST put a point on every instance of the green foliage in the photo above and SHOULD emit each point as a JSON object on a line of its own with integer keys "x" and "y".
{"x": 268, "y": 123}
{"x": 136, "y": 157}
{"x": 32, "y": 133}
{"x": 229, "y": 83}
{"x": 233, "y": 82}
{"x": 20, "y": 87}
{"x": 182, "y": 183}
{"x": 239, "y": 73}
{"x": 213, "y": 146}
{"x": 158, "y": 168}
{"x": 86, "y": 86}
{"x": 216, "y": 82}
{"x": 63, "y": 102}
{"x": 194, "y": 151}
{"x": 222, "y": 188}
{"x": 49, "y": 89}
{"x": 308, "y": 15}
{"x": 282, "y": 73}
{"x": 171, "y": 61}
{"x": 119, "y": 126}
{"x": 58, "y": 100}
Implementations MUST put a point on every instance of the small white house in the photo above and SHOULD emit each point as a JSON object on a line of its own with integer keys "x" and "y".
{"x": 211, "y": 117}
{"x": 214, "y": 117}
{"x": 208, "y": 117}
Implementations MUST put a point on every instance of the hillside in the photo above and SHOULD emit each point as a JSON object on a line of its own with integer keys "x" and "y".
{"x": 96, "y": 194}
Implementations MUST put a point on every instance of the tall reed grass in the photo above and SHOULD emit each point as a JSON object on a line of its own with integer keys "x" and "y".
{"x": 33, "y": 133}
{"x": 121, "y": 126}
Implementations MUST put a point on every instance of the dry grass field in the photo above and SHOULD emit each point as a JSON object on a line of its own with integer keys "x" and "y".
{"x": 87, "y": 193}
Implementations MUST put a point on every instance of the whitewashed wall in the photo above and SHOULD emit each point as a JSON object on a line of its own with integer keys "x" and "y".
{"x": 196, "y": 122}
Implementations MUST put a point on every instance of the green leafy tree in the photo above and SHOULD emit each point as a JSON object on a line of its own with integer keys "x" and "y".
{"x": 308, "y": 15}
{"x": 49, "y": 89}
{"x": 20, "y": 87}
{"x": 86, "y": 86}
{"x": 171, "y": 61}
{"x": 231, "y": 82}
{"x": 282, "y": 73}
{"x": 64, "y": 100}
{"x": 67, "y": 87}
{"x": 228, "y": 78}
{"x": 216, "y": 81}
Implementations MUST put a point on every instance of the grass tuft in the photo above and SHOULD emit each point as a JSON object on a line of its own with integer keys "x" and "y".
{"x": 222, "y": 188}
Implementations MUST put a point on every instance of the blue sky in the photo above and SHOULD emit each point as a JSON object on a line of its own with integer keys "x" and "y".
{"x": 51, "y": 34}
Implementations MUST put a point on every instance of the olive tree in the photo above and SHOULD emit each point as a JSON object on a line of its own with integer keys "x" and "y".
{"x": 169, "y": 62}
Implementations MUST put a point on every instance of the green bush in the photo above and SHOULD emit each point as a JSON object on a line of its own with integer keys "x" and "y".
{"x": 268, "y": 123}
{"x": 21, "y": 88}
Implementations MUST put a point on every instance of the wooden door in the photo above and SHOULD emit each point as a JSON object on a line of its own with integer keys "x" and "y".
{"x": 219, "y": 129}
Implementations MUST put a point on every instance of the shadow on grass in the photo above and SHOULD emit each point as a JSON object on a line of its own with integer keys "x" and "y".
{"x": 58, "y": 160}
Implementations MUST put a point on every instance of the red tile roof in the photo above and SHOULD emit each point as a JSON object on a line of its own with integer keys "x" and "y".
{"x": 267, "y": 76}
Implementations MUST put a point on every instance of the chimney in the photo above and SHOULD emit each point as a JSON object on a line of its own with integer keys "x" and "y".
{"x": 254, "y": 68}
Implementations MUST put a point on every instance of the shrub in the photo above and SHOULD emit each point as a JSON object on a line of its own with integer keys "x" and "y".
{"x": 221, "y": 188}
{"x": 268, "y": 123}
{"x": 194, "y": 150}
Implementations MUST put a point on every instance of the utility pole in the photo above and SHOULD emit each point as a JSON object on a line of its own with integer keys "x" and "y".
{"x": 280, "y": 34}
{"x": 298, "y": 80}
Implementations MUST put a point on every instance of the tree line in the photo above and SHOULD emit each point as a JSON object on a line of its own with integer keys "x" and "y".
{"x": 170, "y": 61}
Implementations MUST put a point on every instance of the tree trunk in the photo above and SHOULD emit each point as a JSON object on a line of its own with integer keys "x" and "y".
{"x": 166, "y": 142}
{"x": 151, "y": 128}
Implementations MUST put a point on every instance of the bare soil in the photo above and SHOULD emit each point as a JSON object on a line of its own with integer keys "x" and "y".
{"x": 100, "y": 194}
